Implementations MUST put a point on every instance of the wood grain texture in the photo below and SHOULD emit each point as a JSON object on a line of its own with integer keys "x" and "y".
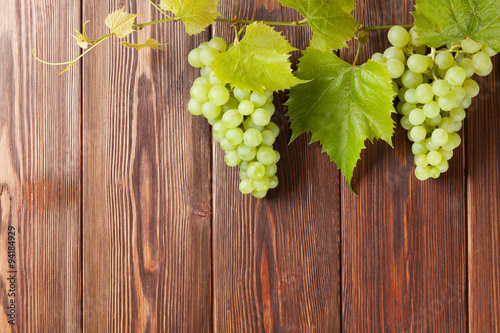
{"x": 483, "y": 194}
{"x": 403, "y": 241}
{"x": 40, "y": 166}
{"x": 276, "y": 260}
{"x": 147, "y": 258}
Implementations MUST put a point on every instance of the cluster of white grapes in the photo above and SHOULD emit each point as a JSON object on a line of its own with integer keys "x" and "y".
{"x": 434, "y": 89}
{"x": 240, "y": 119}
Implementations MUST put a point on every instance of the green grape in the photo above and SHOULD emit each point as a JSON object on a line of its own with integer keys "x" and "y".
{"x": 378, "y": 57}
{"x": 401, "y": 93}
{"x": 405, "y": 123}
{"x": 433, "y": 121}
{"x": 395, "y": 86}
{"x": 218, "y": 43}
{"x": 231, "y": 158}
{"x": 466, "y": 64}
{"x": 434, "y": 158}
{"x": 205, "y": 71}
{"x": 232, "y": 118}
{"x": 456, "y": 76}
{"x": 271, "y": 169}
{"x": 443, "y": 166}
{"x": 269, "y": 107}
{"x": 458, "y": 126}
{"x": 212, "y": 121}
{"x": 210, "y": 110}
{"x": 194, "y": 107}
{"x": 489, "y": 51}
{"x": 451, "y": 144}
{"x": 447, "y": 102}
{"x": 269, "y": 94}
{"x": 457, "y": 114}
{"x": 214, "y": 81}
{"x": 243, "y": 175}
{"x": 218, "y": 95}
{"x": 412, "y": 80}
{"x": 459, "y": 93}
{"x": 203, "y": 45}
{"x": 234, "y": 136}
{"x": 246, "y": 108}
{"x": 398, "y": 36}
{"x": 410, "y": 96}
{"x": 262, "y": 185}
{"x": 232, "y": 103}
{"x": 416, "y": 117}
{"x": 268, "y": 138}
{"x": 466, "y": 103}
{"x": 194, "y": 58}
{"x": 273, "y": 128}
{"x": 439, "y": 137}
{"x": 246, "y": 186}
{"x": 446, "y": 154}
{"x": 414, "y": 37}
{"x": 278, "y": 157}
{"x": 424, "y": 94}
{"x": 421, "y": 160}
{"x": 252, "y": 137}
{"x": 418, "y": 63}
{"x": 447, "y": 124}
{"x": 226, "y": 146}
{"x": 485, "y": 72}
{"x": 422, "y": 49}
{"x": 394, "y": 53}
{"x": 430, "y": 145}
{"x": 199, "y": 92}
{"x": 395, "y": 68}
{"x": 470, "y": 46}
{"x": 261, "y": 117}
{"x": 435, "y": 173}
{"x": 201, "y": 80}
{"x": 406, "y": 108}
{"x": 241, "y": 95}
{"x": 266, "y": 155}
{"x": 273, "y": 182}
{"x": 481, "y": 62}
{"x": 431, "y": 109}
{"x": 444, "y": 60}
{"x": 259, "y": 195}
{"x": 441, "y": 88}
{"x": 471, "y": 88}
{"x": 244, "y": 165}
{"x": 418, "y": 133}
{"x": 422, "y": 173}
{"x": 207, "y": 55}
{"x": 248, "y": 123}
{"x": 220, "y": 129}
{"x": 258, "y": 99}
{"x": 458, "y": 139}
{"x": 256, "y": 171}
{"x": 418, "y": 148}
{"x": 246, "y": 153}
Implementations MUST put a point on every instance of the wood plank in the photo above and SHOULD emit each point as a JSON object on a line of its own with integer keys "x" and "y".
{"x": 403, "y": 241}
{"x": 40, "y": 167}
{"x": 147, "y": 192}
{"x": 483, "y": 193}
{"x": 276, "y": 260}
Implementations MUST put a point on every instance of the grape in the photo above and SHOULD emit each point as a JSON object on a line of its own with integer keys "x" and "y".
{"x": 467, "y": 65}
{"x": 488, "y": 51}
{"x": 471, "y": 88}
{"x": 262, "y": 185}
{"x": 417, "y": 63}
{"x": 458, "y": 139}
{"x": 456, "y": 76}
{"x": 481, "y": 62}
{"x": 258, "y": 99}
{"x": 431, "y": 109}
{"x": 218, "y": 95}
{"x": 256, "y": 171}
{"x": 259, "y": 195}
{"x": 405, "y": 123}
{"x": 232, "y": 103}
{"x": 441, "y": 88}
{"x": 241, "y": 95}
{"x": 271, "y": 169}
{"x": 246, "y": 108}
{"x": 421, "y": 160}
{"x": 395, "y": 68}
{"x": 447, "y": 102}
{"x": 406, "y": 108}
{"x": 218, "y": 43}
{"x": 418, "y": 148}
{"x": 443, "y": 166}
{"x": 466, "y": 102}
{"x": 413, "y": 37}
{"x": 268, "y": 138}
{"x": 416, "y": 117}
{"x": 434, "y": 158}
{"x": 439, "y": 137}
{"x": 485, "y": 72}
{"x": 410, "y": 96}
{"x": 207, "y": 55}
{"x": 447, "y": 154}
{"x": 213, "y": 80}
{"x": 261, "y": 117}
{"x": 273, "y": 128}
{"x": 194, "y": 107}
{"x": 273, "y": 182}
{"x": 398, "y": 36}
{"x": 451, "y": 144}
{"x": 418, "y": 133}
{"x": 248, "y": 123}
{"x": 231, "y": 158}
{"x": 242, "y": 174}
{"x": 194, "y": 58}
{"x": 430, "y": 145}
{"x": 246, "y": 186}
{"x": 205, "y": 71}
{"x": 232, "y": 118}
{"x": 252, "y": 137}
{"x": 246, "y": 153}
{"x": 470, "y": 46}
{"x": 459, "y": 93}
{"x": 447, "y": 124}
{"x": 435, "y": 173}
{"x": 423, "y": 173}
{"x": 226, "y": 146}
{"x": 266, "y": 155}
{"x": 278, "y": 157}
{"x": 394, "y": 53}
{"x": 424, "y": 93}
{"x": 199, "y": 92}
{"x": 220, "y": 129}
{"x": 378, "y": 57}
{"x": 210, "y": 110}
{"x": 433, "y": 121}
{"x": 444, "y": 60}
{"x": 457, "y": 114}
{"x": 269, "y": 107}
{"x": 412, "y": 80}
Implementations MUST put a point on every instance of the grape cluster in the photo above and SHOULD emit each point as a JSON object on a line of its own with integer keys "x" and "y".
{"x": 240, "y": 119}
{"x": 434, "y": 87}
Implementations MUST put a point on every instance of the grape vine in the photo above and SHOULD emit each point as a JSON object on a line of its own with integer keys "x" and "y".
{"x": 428, "y": 72}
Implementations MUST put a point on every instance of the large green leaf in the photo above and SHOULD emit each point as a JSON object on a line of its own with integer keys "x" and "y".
{"x": 439, "y": 22}
{"x": 196, "y": 14}
{"x": 120, "y": 22}
{"x": 259, "y": 61}
{"x": 331, "y": 21}
{"x": 342, "y": 106}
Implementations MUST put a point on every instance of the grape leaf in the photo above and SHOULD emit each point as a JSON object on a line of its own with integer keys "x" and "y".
{"x": 342, "y": 107}
{"x": 152, "y": 43}
{"x": 259, "y": 61}
{"x": 121, "y": 22}
{"x": 331, "y": 21}
{"x": 196, "y": 14}
{"x": 82, "y": 39}
{"x": 439, "y": 22}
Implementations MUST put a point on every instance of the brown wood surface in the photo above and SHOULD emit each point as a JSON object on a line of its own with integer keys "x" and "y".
{"x": 147, "y": 258}
{"x": 128, "y": 220}
{"x": 40, "y": 167}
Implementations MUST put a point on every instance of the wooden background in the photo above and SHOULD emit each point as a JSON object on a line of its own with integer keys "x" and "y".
{"x": 129, "y": 221}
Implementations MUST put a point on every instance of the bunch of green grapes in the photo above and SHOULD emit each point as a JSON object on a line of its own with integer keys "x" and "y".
{"x": 240, "y": 119}
{"x": 435, "y": 87}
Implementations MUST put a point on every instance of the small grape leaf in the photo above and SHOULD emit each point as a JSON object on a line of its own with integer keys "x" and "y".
{"x": 82, "y": 39}
{"x": 439, "y": 22}
{"x": 152, "y": 43}
{"x": 342, "y": 106}
{"x": 196, "y": 14}
{"x": 121, "y": 22}
{"x": 259, "y": 61}
{"x": 331, "y": 21}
